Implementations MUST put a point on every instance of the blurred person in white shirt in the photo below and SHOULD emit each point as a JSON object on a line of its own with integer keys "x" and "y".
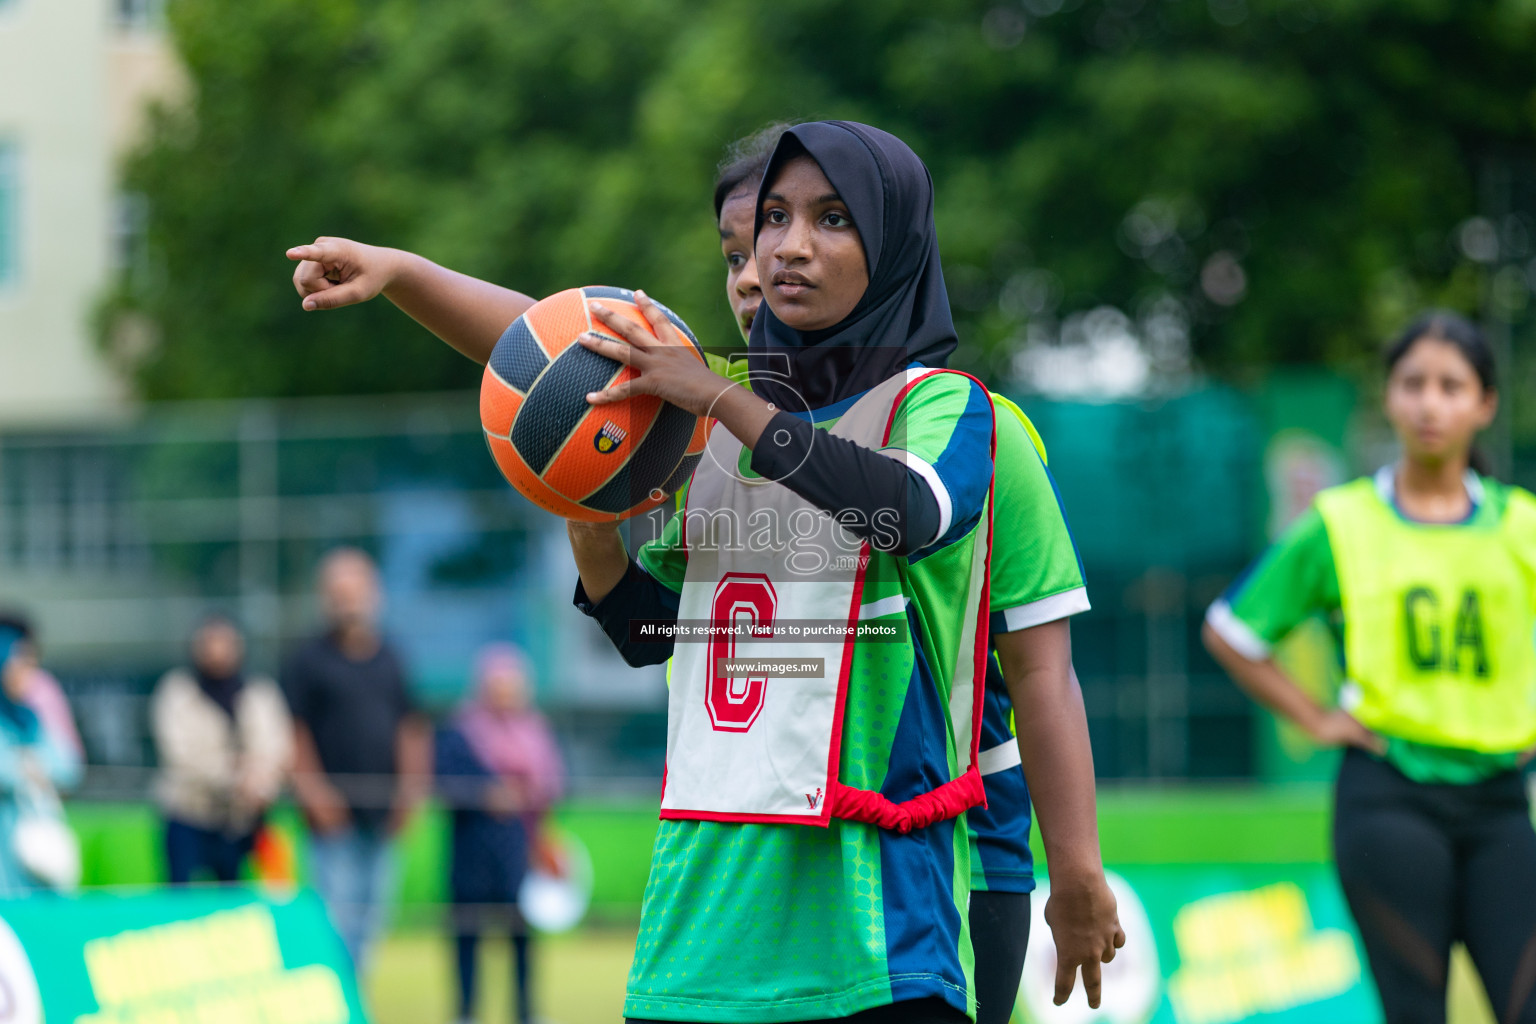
{"x": 224, "y": 741}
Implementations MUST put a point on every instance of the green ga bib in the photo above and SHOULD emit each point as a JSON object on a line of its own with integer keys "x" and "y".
{"x": 1438, "y": 620}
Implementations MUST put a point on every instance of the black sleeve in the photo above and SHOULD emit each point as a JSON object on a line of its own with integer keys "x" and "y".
{"x": 405, "y": 704}
{"x": 294, "y": 682}
{"x": 637, "y": 596}
{"x": 874, "y": 496}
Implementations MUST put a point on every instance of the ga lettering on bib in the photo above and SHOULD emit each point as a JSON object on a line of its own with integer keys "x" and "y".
{"x": 1438, "y": 621}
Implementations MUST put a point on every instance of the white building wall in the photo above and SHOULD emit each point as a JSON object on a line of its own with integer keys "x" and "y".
{"x": 73, "y": 81}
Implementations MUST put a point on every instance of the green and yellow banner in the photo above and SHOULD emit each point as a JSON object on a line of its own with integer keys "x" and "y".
{"x": 175, "y": 956}
{"x": 1211, "y": 944}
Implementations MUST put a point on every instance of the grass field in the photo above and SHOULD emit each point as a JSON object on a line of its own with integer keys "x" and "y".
{"x": 580, "y": 980}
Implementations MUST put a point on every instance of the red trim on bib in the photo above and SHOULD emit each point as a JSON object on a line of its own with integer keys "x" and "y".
{"x": 743, "y": 819}
{"x": 984, "y": 607}
{"x": 984, "y": 617}
{"x": 825, "y": 812}
{"x": 835, "y": 748}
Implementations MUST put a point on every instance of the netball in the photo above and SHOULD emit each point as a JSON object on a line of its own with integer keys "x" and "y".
{"x": 577, "y": 460}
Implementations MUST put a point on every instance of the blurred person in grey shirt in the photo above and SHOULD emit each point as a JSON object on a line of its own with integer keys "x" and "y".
{"x": 362, "y": 750}
{"x": 224, "y": 742}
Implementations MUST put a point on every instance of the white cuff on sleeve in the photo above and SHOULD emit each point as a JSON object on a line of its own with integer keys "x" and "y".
{"x": 1047, "y": 609}
{"x": 930, "y": 477}
{"x": 1237, "y": 633}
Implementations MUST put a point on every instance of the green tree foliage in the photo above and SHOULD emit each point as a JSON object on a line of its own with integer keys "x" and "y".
{"x": 1279, "y": 180}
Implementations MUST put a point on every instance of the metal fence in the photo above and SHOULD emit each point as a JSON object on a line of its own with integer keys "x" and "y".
{"x": 119, "y": 538}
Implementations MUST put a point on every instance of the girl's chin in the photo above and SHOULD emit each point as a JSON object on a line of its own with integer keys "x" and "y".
{"x": 1430, "y": 455}
{"x": 801, "y": 319}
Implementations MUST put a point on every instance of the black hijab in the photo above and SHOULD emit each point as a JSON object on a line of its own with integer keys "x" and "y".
{"x": 903, "y": 316}
{"x": 222, "y": 690}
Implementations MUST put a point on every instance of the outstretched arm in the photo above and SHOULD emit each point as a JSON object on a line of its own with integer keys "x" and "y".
{"x": 1058, "y": 762}
{"x": 466, "y": 312}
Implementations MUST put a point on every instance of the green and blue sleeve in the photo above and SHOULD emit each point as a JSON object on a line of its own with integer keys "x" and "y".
{"x": 1037, "y": 573}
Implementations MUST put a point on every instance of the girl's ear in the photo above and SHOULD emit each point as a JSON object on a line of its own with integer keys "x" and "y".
{"x": 1489, "y": 410}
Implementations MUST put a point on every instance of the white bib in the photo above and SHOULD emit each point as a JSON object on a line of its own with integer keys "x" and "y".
{"x": 774, "y": 584}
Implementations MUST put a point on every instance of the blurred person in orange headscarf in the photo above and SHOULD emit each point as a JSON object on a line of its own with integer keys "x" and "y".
{"x": 499, "y": 769}
{"x": 225, "y": 743}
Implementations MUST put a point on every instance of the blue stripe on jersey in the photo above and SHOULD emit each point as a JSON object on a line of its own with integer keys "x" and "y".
{"x": 966, "y": 463}
{"x": 965, "y": 468}
{"x": 1000, "y": 831}
{"x": 1241, "y": 579}
{"x": 836, "y": 409}
{"x": 922, "y": 935}
{"x": 829, "y": 412}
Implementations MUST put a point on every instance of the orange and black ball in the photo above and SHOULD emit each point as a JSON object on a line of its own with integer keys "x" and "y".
{"x": 581, "y": 461}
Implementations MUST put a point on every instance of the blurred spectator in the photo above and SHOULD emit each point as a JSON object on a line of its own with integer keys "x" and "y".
{"x": 361, "y": 750}
{"x": 36, "y": 847}
{"x": 45, "y": 696}
{"x": 499, "y": 769}
{"x": 224, "y": 743}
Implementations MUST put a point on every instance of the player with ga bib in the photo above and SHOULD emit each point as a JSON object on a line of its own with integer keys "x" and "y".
{"x": 809, "y": 864}
{"x": 1429, "y": 568}
{"x": 1036, "y": 584}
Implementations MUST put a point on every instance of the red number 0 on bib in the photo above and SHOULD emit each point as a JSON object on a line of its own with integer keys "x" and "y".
{"x": 741, "y": 599}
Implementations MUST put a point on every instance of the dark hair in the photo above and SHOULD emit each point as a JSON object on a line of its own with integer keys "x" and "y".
{"x": 745, "y": 161}
{"x": 1453, "y": 329}
{"x": 17, "y": 621}
{"x": 217, "y": 617}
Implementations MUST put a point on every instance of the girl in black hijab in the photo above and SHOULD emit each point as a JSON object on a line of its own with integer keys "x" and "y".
{"x": 903, "y": 316}
{"x": 854, "y": 323}
{"x": 886, "y": 314}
